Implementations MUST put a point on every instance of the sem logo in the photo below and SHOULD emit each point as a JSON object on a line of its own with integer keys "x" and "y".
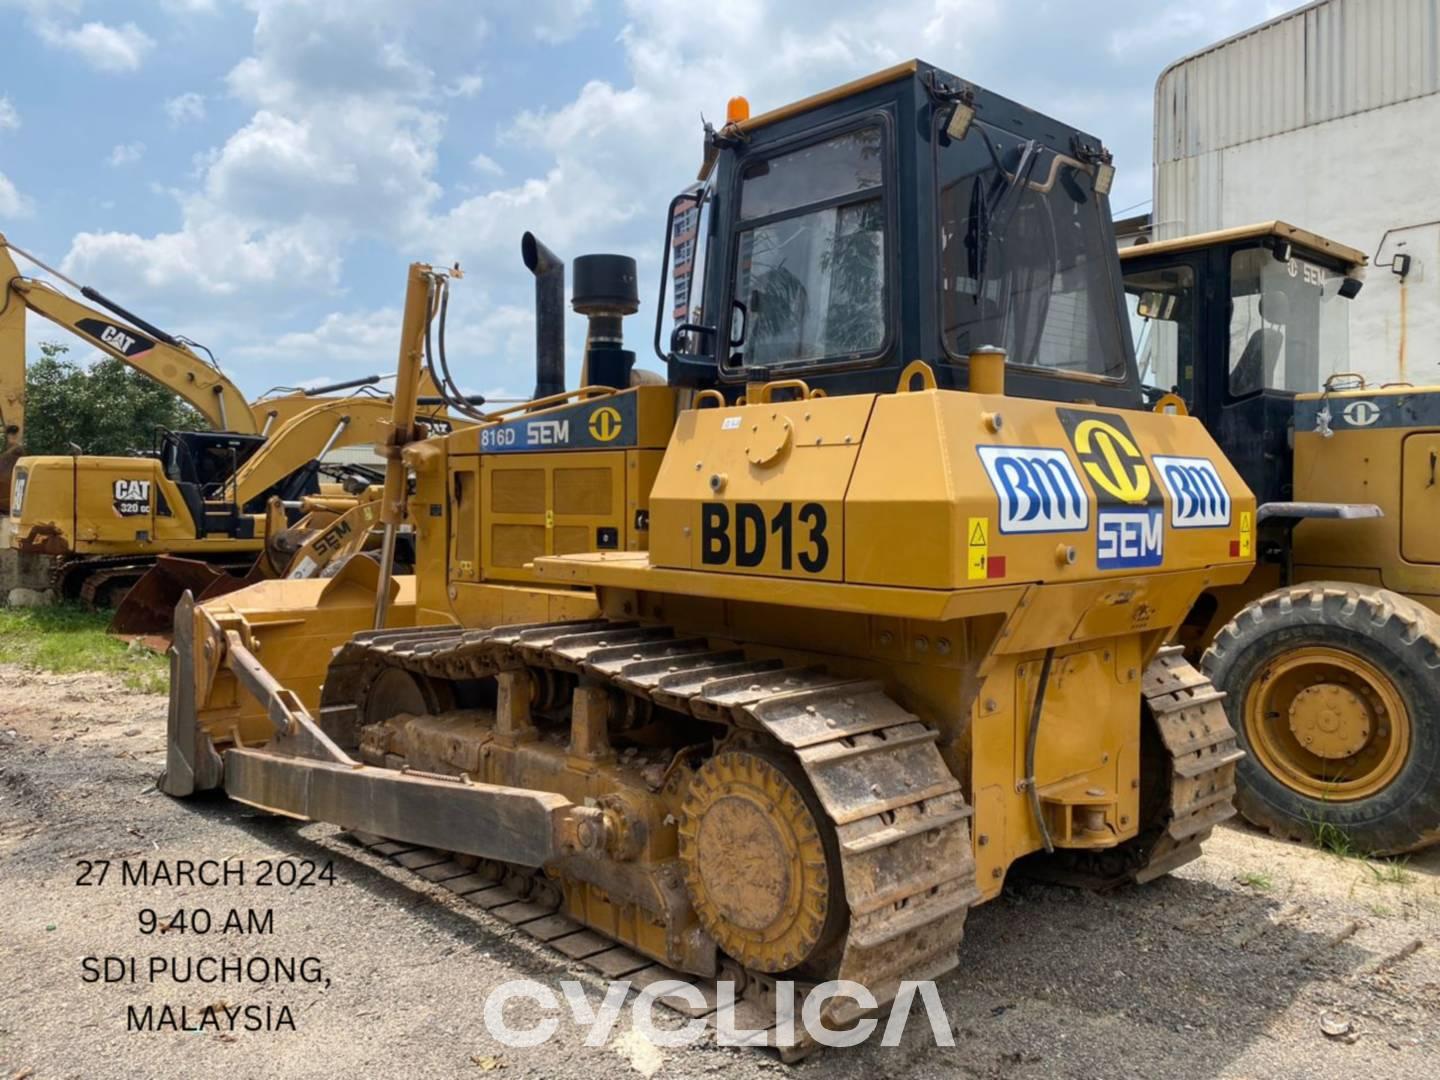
{"x": 1198, "y": 499}
{"x": 1129, "y": 538}
{"x": 1361, "y": 413}
{"x": 547, "y": 432}
{"x": 1109, "y": 455}
{"x": 1038, "y": 489}
{"x": 605, "y": 423}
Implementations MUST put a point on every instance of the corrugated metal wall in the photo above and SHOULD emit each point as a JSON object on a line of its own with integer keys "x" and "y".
{"x": 1321, "y": 62}
{"x": 1328, "y": 117}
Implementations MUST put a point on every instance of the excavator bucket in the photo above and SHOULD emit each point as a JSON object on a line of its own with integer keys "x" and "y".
{"x": 149, "y": 606}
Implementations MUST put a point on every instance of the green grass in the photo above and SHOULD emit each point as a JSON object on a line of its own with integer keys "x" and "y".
{"x": 1253, "y": 880}
{"x": 67, "y": 639}
{"x": 1335, "y": 840}
{"x": 1391, "y": 871}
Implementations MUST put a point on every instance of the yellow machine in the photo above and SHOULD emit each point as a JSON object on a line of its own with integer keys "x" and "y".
{"x": 94, "y": 525}
{"x": 118, "y": 333}
{"x": 775, "y": 670}
{"x": 108, "y": 518}
{"x": 1329, "y": 652}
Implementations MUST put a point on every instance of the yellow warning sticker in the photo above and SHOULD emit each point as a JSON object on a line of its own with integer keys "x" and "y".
{"x": 979, "y": 548}
{"x": 1245, "y": 534}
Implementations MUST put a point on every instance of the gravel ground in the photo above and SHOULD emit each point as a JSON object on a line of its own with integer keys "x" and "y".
{"x": 1231, "y": 967}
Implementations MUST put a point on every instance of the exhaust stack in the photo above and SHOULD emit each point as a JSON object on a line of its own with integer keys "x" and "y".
{"x": 549, "y": 271}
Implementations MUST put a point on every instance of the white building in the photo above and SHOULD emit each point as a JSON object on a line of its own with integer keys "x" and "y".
{"x": 1329, "y": 118}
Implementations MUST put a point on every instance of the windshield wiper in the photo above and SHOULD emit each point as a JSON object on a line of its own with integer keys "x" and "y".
{"x": 988, "y": 222}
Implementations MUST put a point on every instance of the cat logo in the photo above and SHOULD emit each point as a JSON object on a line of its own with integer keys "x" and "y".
{"x": 1109, "y": 456}
{"x": 132, "y": 497}
{"x": 120, "y": 339}
{"x": 605, "y": 423}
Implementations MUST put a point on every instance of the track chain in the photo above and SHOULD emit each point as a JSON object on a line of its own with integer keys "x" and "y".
{"x": 901, "y": 822}
{"x": 96, "y": 572}
{"x": 1200, "y": 749}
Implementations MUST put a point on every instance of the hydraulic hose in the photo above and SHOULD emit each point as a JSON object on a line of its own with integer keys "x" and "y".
{"x": 1036, "y": 708}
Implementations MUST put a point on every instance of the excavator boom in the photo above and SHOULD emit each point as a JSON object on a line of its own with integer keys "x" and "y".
{"x": 150, "y": 351}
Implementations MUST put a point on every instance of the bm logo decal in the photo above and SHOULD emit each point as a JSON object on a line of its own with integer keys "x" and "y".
{"x": 605, "y": 423}
{"x": 1109, "y": 455}
{"x": 1037, "y": 488}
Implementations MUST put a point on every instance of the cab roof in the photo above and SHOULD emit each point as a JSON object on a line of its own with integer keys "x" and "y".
{"x": 1302, "y": 238}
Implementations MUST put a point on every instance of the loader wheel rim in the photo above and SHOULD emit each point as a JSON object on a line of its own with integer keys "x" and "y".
{"x": 754, "y": 861}
{"x": 1328, "y": 724}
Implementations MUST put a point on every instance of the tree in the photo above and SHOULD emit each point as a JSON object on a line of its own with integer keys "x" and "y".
{"x": 105, "y": 409}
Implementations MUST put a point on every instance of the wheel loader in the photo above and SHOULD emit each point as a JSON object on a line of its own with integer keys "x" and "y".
{"x": 770, "y": 670}
{"x": 1329, "y": 652}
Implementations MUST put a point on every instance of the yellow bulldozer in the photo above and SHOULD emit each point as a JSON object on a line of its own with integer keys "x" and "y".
{"x": 771, "y": 669}
{"x": 1329, "y": 654}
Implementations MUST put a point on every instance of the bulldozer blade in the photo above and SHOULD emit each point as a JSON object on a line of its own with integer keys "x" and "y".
{"x": 149, "y": 606}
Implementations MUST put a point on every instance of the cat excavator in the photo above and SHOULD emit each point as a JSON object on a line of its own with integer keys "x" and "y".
{"x": 96, "y": 525}
{"x": 169, "y": 360}
{"x": 106, "y": 520}
{"x": 769, "y": 671}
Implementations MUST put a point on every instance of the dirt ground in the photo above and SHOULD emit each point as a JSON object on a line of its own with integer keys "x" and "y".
{"x": 1236, "y": 966}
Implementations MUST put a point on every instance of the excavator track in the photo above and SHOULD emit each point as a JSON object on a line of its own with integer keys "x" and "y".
{"x": 89, "y": 578}
{"x": 900, "y": 823}
{"x": 1195, "y": 750}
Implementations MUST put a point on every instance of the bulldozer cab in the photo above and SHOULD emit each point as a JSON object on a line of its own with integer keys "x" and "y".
{"x": 1236, "y": 323}
{"x": 906, "y": 216}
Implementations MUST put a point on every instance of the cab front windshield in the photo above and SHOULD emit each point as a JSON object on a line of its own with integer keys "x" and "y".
{"x": 1289, "y": 327}
{"x": 1027, "y": 255}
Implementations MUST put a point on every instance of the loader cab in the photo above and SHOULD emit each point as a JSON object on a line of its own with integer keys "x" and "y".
{"x": 905, "y": 216}
{"x": 1236, "y": 323}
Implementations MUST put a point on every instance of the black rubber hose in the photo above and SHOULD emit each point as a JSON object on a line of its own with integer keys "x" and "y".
{"x": 1035, "y": 710}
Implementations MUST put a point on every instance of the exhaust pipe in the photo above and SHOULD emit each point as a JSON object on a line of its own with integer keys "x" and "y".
{"x": 549, "y": 271}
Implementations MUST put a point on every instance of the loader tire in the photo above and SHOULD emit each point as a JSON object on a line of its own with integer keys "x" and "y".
{"x": 1334, "y": 691}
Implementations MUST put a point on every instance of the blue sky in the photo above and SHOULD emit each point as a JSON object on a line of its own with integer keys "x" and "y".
{"x": 256, "y": 174}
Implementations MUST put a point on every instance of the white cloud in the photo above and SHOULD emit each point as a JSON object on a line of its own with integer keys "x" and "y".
{"x": 9, "y": 118}
{"x": 103, "y": 47}
{"x": 484, "y": 163}
{"x": 1159, "y": 30}
{"x": 126, "y": 154}
{"x": 12, "y": 203}
{"x": 345, "y": 146}
{"x": 556, "y": 21}
{"x": 211, "y": 256}
{"x": 185, "y": 108}
{"x": 466, "y": 86}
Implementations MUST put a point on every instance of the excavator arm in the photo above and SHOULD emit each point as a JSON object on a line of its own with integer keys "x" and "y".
{"x": 149, "y": 351}
{"x": 357, "y": 421}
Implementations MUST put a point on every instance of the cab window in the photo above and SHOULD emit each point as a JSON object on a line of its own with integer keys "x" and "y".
{"x": 1161, "y": 303}
{"x": 810, "y": 262}
{"x": 1289, "y": 325}
{"x": 1026, "y": 255}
